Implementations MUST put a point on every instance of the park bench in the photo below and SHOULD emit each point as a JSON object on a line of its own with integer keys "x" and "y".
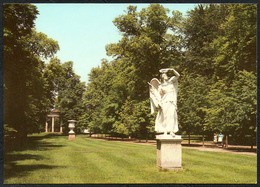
{"x": 196, "y": 138}
{"x": 192, "y": 137}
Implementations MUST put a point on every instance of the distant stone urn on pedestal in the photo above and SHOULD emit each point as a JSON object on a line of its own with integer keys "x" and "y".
{"x": 72, "y": 135}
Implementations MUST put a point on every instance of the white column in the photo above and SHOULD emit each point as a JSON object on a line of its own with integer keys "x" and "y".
{"x": 61, "y": 125}
{"x": 46, "y": 126}
{"x": 52, "y": 124}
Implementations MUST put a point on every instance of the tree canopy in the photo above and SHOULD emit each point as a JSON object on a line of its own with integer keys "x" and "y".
{"x": 24, "y": 48}
{"x": 213, "y": 48}
{"x": 29, "y": 84}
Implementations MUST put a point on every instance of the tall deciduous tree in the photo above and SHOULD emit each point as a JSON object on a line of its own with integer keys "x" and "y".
{"x": 220, "y": 45}
{"x": 150, "y": 40}
{"x": 201, "y": 28}
{"x": 235, "y": 72}
{"x": 236, "y": 45}
{"x": 244, "y": 113}
{"x": 233, "y": 108}
{"x": 24, "y": 48}
{"x": 65, "y": 89}
{"x": 191, "y": 101}
{"x": 147, "y": 44}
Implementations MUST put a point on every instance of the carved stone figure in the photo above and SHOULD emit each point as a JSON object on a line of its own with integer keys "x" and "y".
{"x": 163, "y": 96}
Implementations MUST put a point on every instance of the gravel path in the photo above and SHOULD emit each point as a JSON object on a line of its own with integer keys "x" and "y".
{"x": 220, "y": 149}
{"x": 234, "y": 149}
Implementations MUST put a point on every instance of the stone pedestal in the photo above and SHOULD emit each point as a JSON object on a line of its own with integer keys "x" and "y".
{"x": 72, "y": 136}
{"x": 169, "y": 153}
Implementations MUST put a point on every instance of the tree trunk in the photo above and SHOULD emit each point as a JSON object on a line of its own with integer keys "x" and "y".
{"x": 252, "y": 142}
{"x": 203, "y": 140}
{"x": 226, "y": 143}
{"x": 21, "y": 140}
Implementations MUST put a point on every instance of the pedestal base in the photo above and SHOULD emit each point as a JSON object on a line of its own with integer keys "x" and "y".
{"x": 169, "y": 154}
{"x": 72, "y": 136}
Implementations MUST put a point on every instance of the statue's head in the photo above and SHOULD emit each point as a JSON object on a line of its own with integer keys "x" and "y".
{"x": 164, "y": 76}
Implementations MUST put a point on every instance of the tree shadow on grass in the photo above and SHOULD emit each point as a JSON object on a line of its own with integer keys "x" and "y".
{"x": 242, "y": 149}
{"x": 14, "y": 170}
{"x": 33, "y": 143}
{"x": 12, "y": 167}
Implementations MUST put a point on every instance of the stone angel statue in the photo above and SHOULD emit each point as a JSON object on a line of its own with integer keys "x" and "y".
{"x": 163, "y": 96}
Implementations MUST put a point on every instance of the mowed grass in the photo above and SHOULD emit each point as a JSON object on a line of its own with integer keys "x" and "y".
{"x": 49, "y": 159}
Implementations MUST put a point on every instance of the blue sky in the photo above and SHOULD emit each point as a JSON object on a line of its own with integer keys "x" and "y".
{"x": 83, "y": 30}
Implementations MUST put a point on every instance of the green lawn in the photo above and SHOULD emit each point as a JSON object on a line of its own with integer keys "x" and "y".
{"x": 49, "y": 159}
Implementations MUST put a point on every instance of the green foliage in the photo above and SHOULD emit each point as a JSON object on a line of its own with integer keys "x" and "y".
{"x": 25, "y": 97}
{"x": 30, "y": 86}
{"x": 9, "y": 130}
{"x": 213, "y": 48}
{"x": 65, "y": 91}
{"x": 19, "y": 21}
{"x": 191, "y": 101}
{"x": 236, "y": 45}
{"x": 134, "y": 119}
{"x": 146, "y": 45}
{"x": 218, "y": 115}
{"x": 39, "y": 44}
{"x": 233, "y": 109}
{"x": 101, "y": 97}
{"x": 220, "y": 46}
{"x": 244, "y": 92}
{"x": 201, "y": 27}
{"x": 118, "y": 90}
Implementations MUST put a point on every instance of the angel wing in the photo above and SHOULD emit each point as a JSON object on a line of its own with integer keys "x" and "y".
{"x": 155, "y": 97}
